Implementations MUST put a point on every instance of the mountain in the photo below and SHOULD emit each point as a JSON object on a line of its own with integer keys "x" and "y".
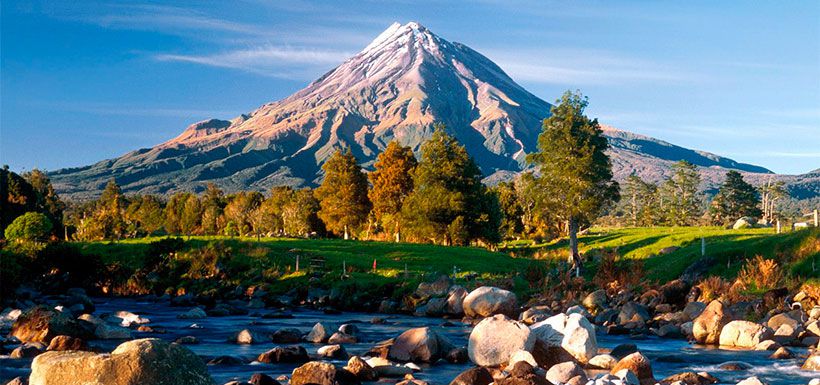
{"x": 394, "y": 89}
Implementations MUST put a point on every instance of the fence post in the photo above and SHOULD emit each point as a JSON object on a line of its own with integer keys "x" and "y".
{"x": 297, "y": 262}
{"x": 702, "y": 246}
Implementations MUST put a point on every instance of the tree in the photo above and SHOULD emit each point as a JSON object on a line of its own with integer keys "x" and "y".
{"x": 735, "y": 199}
{"x": 110, "y": 211}
{"x": 392, "y": 182}
{"x": 174, "y": 212}
{"x": 191, "y": 216}
{"x": 770, "y": 193}
{"x": 679, "y": 198}
{"x": 144, "y": 216}
{"x": 213, "y": 205}
{"x": 343, "y": 194}
{"x": 511, "y": 210}
{"x": 31, "y": 226}
{"x": 641, "y": 200}
{"x": 239, "y": 211}
{"x": 576, "y": 173}
{"x": 300, "y": 214}
{"x": 449, "y": 204}
{"x": 46, "y": 199}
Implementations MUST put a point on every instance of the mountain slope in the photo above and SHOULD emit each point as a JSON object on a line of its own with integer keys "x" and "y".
{"x": 395, "y": 88}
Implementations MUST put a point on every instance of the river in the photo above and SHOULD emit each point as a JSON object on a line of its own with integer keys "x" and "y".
{"x": 667, "y": 356}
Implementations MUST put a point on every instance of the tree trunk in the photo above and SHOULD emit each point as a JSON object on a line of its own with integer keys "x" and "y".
{"x": 574, "y": 257}
{"x": 397, "y": 233}
{"x": 346, "y": 234}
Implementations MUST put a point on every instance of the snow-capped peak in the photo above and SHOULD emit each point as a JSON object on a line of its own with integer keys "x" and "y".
{"x": 398, "y": 35}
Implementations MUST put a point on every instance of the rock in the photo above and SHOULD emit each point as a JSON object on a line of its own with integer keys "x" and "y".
{"x": 707, "y": 326}
{"x": 776, "y": 321}
{"x": 522, "y": 373}
{"x": 735, "y": 366}
{"x": 419, "y": 345}
{"x": 194, "y": 313}
{"x": 521, "y": 355}
{"x": 187, "y": 340}
{"x": 767, "y": 345}
{"x": 144, "y": 361}
{"x": 435, "y": 307}
{"x": 743, "y": 334}
{"x": 280, "y": 354}
{"x": 606, "y": 315}
{"x": 577, "y": 309}
{"x": 563, "y": 372}
{"x": 595, "y": 301}
{"x": 603, "y": 361}
{"x": 361, "y": 369}
{"x": 572, "y": 332}
{"x": 27, "y": 350}
{"x": 744, "y": 223}
{"x": 674, "y": 292}
{"x": 623, "y": 350}
{"x": 321, "y": 373}
{"x": 262, "y": 379}
{"x": 226, "y": 361}
{"x": 687, "y": 378}
{"x": 694, "y": 309}
{"x": 495, "y": 339}
{"x": 41, "y": 324}
{"x": 319, "y": 334}
{"x": 385, "y": 368}
{"x": 752, "y": 381}
{"x": 18, "y": 381}
{"x": 473, "y": 376}
{"x": 244, "y": 337}
{"x": 105, "y": 331}
{"x": 535, "y": 314}
{"x": 457, "y": 356}
{"x": 633, "y": 312}
{"x": 342, "y": 338}
{"x": 455, "y": 300}
{"x": 782, "y": 354}
{"x": 669, "y": 331}
{"x": 437, "y": 288}
{"x": 638, "y": 364}
{"x": 627, "y": 377}
{"x": 286, "y": 336}
{"x": 129, "y": 318}
{"x": 812, "y": 362}
{"x": 486, "y": 301}
{"x": 63, "y": 343}
{"x": 334, "y": 352}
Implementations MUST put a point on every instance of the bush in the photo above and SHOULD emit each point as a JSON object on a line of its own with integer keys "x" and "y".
{"x": 30, "y": 226}
{"x": 761, "y": 274}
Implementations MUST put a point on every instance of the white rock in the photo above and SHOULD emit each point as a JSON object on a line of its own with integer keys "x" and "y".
{"x": 495, "y": 339}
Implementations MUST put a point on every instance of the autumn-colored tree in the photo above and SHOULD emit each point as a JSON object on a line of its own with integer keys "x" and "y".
{"x": 300, "y": 214}
{"x": 239, "y": 210}
{"x": 174, "y": 212}
{"x": 213, "y": 205}
{"x": 576, "y": 173}
{"x": 144, "y": 216}
{"x": 392, "y": 182}
{"x": 343, "y": 194}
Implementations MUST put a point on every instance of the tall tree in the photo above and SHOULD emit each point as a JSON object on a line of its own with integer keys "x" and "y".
{"x": 511, "y": 210}
{"x": 576, "y": 173}
{"x": 343, "y": 194}
{"x": 641, "y": 201}
{"x": 175, "y": 212}
{"x": 239, "y": 211}
{"x": 736, "y": 198}
{"x": 392, "y": 182}
{"x": 680, "y": 201}
{"x": 110, "y": 211}
{"x": 213, "y": 205}
{"x": 47, "y": 201}
{"x": 144, "y": 216}
{"x": 771, "y": 192}
{"x": 300, "y": 214}
{"x": 449, "y": 204}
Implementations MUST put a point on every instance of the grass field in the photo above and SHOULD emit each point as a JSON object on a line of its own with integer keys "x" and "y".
{"x": 273, "y": 260}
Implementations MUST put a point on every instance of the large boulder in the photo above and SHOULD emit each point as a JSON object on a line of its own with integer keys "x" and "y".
{"x": 62, "y": 343}
{"x": 321, "y": 373}
{"x": 361, "y": 369}
{"x": 41, "y": 324}
{"x": 145, "y": 361}
{"x": 707, "y": 326}
{"x": 572, "y": 332}
{"x": 595, "y": 301}
{"x": 486, "y": 301}
{"x": 744, "y": 334}
{"x": 319, "y": 333}
{"x": 638, "y": 364}
{"x": 633, "y": 312}
{"x": 565, "y": 371}
{"x": 455, "y": 300}
{"x": 495, "y": 339}
{"x": 744, "y": 223}
{"x": 437, "y": 288}
{"x": 812, "y": 363}
{"x": 280, "y": 354}
{"x": 419, "y": 345}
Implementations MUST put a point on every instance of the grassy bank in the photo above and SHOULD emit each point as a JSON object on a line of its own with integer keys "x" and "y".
{"x": 668, "y": 251}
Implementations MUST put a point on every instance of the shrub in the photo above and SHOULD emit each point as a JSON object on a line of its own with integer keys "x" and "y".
{"x": 30, "y": 226}
{"x": 761, "y": 273}
{"x": 713, "y": 288}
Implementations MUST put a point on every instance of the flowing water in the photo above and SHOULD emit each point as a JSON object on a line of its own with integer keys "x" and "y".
{"x": 667, "y": 356}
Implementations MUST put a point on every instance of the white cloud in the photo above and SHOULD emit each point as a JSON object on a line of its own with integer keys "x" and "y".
{"x": 285, "y": 62}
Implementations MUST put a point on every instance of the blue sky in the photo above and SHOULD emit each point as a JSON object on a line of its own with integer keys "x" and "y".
{"x": 83, "y": 81}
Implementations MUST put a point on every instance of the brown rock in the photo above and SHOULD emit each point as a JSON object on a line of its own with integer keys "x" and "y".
{"x": 637, "y": 363}
{"x": 41, "y": 324}
{"x": 361, "y": 369}
{"x": 321, "y": 373}
{"x": 419, "y": 345}
{"x": 688, "y": 378}
{"x": 707, "y": 326}
{"x": 279, "y": 354}
{"x": 473, "y": 376}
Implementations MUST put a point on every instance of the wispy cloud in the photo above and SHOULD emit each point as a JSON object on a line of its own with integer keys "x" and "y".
{"x": 286, "y": 62}
{"x": 99, "y": 108}
{"x": 585, "y": 67}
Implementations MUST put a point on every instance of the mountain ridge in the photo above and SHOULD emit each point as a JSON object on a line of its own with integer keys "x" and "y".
{"x": 394, "y": 89}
